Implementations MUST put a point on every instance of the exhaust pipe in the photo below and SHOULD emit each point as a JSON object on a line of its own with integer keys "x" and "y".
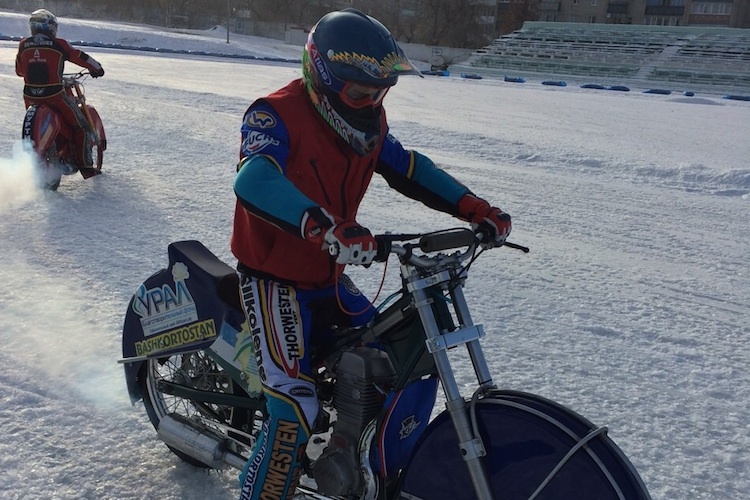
{"x": 198, "y": 441}
{"x": 209, "y": 447}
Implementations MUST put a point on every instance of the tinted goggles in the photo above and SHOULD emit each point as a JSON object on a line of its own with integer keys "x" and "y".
{"x": 357, "y": 95}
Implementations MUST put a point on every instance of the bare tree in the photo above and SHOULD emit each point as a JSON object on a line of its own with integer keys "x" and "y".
{"x": 288, "y": 11}
{"x": 453, "y": 23}
{"x": 434, "y": 22}
{"x": 517, "y": 12}
{"x": 172, "y": 8}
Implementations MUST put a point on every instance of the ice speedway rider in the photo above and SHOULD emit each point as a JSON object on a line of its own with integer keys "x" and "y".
{"x": 308, "y": 153}
{"x": 41, "y": 61}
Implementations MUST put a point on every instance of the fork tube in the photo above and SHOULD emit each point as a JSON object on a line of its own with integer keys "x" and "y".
{"x": 470, "y": 447}
{"x": 76, "y": 90}
{"x": 87, "y": 114}
{"x": 475, "y": 349}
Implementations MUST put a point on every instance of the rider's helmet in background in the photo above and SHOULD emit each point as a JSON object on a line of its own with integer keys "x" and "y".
{"x": 43, "y": 21}
{"x": 349, "y": 63}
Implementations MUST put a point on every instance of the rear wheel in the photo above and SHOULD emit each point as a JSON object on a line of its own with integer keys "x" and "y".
{"x": 195, "y": 370}
{"x": 50, "y": 174}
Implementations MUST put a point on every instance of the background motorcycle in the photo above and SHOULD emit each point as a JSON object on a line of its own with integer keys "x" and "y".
{"x": 53, "y": 139}
{"x": 189, "y": 355}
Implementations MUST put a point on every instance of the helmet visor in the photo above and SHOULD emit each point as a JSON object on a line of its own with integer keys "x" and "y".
{"x": 358, "y": 96}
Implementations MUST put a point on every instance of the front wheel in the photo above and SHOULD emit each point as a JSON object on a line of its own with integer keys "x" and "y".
{"x": 536, "y": 449}
{"x": 100, "y": 144}
{"x": 198, "y": 371}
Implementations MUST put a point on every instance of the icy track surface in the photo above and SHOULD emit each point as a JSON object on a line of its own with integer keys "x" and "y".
{"x": 632, "y": 307}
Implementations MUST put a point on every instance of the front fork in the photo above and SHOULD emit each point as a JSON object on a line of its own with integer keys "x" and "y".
{"x": 76, "y": 91}
{"x": 470, "y": 445}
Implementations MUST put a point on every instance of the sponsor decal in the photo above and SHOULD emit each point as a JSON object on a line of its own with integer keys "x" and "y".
{"x": 301, "y": 391}
{"x": 253, "y": 467}
{"x": 29, "y": 120}
{"x": 282, "y": 469}
{"x": 408, "y": 425}
{"x": 37, "y": 41}
{"x": 37, "y": 57}
{"x": 47, "y": 133}
{"x": 349, "y": 285}
{"x": 392, "y": 64}
{"x": 249, "y": 294}
{"x": 257, "y": 141}
{"x": 164, "y": 307}
{"x": 260, "y": 119}
{"x": 320, "y": 65}
{"x": 245, "y": 356}
{"x": 334, "y": 120}
{"x": 286, "y": 329}
{"x": 176, "y": 338}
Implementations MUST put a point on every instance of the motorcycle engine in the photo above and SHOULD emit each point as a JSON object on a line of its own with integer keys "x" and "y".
{"x": 361, "y": 376}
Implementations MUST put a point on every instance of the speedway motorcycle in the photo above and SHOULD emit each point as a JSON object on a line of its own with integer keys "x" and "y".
{"x": 188, "y": 353}
{"x": 53, "y": 139}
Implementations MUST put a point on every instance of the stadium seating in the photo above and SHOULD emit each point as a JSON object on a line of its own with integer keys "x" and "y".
{"x": 710, "y": 56}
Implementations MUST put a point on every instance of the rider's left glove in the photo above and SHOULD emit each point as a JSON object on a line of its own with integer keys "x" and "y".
{"x": 491, "y": 222}
{"x": 97, "y": 73}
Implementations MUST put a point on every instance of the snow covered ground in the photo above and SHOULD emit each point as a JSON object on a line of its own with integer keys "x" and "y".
{"x": 632, "y": 308}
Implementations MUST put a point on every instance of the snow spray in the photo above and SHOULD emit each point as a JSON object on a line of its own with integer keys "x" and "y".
{"x": 18, "y": 176}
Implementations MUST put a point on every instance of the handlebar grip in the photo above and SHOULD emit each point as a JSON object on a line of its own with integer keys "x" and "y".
{"x": 383, "y": 248}
{"x": 516, "y": 246}
{"x": 445, "y": 240}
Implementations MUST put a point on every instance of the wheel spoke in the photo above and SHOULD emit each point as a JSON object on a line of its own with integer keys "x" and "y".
{"x": 196, "y": 371}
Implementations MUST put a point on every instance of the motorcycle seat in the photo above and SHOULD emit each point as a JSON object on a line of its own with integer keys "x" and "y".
{"x": 209, "y": 269}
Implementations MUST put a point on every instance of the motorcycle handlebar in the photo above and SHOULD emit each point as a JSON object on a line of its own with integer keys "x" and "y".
{"x": 431, "y": 243}
{"x": 78, "y": 75}
{"x": 70, "y": 79}
{"x": 446, "y": 240}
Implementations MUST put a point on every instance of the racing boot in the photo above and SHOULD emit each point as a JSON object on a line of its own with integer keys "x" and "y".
{"x": 273, "y": 469}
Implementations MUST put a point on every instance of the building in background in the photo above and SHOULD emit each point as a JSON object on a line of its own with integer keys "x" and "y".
{"x": 450, "y": 23}
{"x": 714, "y": 13}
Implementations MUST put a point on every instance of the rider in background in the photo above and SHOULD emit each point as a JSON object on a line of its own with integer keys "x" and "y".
{"x": 41, "y": 61}
{"x": 308, "y": 153}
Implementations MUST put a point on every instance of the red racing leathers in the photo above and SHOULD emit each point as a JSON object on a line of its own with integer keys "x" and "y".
{"x": 307, "y": 167}
{"x": 41, "y": 61}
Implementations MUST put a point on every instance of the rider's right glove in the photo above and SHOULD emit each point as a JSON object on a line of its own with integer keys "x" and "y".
{"x": 351, "y": 243}
{"x": 493, "y": 223}
{"x": 97, "y": 72}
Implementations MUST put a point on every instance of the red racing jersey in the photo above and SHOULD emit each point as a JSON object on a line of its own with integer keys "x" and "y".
{"x": 295, "y": 166}
{"x": 322, "y": 168}
{"x": 41, "y": 61}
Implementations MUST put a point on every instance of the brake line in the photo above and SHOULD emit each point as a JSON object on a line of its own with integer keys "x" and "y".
{"x": 371, "y": 303}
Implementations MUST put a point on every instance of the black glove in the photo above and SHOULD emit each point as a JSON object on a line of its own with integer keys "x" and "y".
{"x": 96, "y": 73}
